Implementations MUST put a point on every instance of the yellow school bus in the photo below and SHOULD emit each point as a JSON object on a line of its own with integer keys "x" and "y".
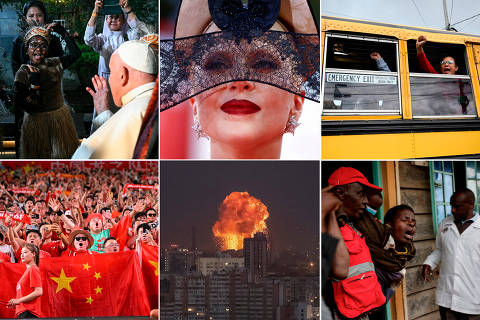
{"x": 378, "y": 102}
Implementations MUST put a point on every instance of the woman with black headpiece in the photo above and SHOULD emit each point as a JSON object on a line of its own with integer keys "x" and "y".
{"x": 245, "y": 69}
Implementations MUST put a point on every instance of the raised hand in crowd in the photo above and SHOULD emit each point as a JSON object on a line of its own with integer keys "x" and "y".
{"x": 4, "y": 190}
{"x": 58, "y": 230}
{"x": 139, "y": 206}
{"x": 54, "y": 205}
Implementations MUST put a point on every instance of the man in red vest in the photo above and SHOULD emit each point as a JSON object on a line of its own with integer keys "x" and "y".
{"x": 360, "y": 293}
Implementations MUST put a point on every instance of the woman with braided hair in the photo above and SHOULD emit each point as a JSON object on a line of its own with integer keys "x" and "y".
{"x": 48, "y": 130}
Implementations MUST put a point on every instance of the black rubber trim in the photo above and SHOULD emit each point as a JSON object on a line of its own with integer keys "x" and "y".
{"x": 357, "y": 127}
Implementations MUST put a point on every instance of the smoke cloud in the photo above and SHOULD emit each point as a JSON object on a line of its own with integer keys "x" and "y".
{"x": 240, "y": 216}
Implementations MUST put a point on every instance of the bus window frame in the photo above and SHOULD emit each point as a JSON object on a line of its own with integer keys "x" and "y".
{"x": 446, "y": 76}
{"x": 356, "y": 71}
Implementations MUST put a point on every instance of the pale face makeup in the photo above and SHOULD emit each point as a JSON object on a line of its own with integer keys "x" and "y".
{"x": 245, "y": 114}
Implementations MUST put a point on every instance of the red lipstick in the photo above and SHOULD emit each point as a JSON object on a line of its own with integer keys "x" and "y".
{"x": 240, "y": 107}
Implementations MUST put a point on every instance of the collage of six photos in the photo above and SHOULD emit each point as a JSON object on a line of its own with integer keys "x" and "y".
{"x": 263, "y": 107}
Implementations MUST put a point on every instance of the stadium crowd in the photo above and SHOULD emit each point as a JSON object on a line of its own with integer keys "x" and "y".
{"x": 77, "y": 211}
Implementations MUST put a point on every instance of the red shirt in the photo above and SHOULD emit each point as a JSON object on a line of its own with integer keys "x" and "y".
{"x": 30, "y": 279}
{"x": 4, "y": 257}
{"x": 71, "y": 251}
{"x": 120, "y": 231}
{"x": 43, "y": 254}
{"x": 54, "y": 248}
{"x": 424, "y": 64}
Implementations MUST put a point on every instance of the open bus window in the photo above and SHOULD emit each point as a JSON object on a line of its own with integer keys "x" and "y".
{"x": 435, "y": 94}
{"x": 435, "y": 52}
{"x": 355, "y": 52}
{"x": 360, "y": 75}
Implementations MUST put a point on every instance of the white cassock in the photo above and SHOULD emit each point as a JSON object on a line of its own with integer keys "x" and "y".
{"x": 116, "y": 138}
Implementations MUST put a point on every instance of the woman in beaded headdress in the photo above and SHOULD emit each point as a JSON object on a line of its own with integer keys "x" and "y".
{"x": 48, "y": 130}
{"x": 245, "y": 69}
{"x": 34, "y": 14}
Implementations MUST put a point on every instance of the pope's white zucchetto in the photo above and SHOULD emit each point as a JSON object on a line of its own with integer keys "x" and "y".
{"x": 139, "y": 55}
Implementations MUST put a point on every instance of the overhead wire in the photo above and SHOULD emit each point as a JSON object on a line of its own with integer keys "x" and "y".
{"x": 476, "y": 15}
{"x": 451, "y": 11}
{"x": 418, "y": 10}
{"x": 471, "y": 22}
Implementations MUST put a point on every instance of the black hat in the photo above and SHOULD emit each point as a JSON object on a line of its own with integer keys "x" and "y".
{"x": 33, "y": 228}
{"x": 195, "y": 15}
{"x": 283, "y": 32}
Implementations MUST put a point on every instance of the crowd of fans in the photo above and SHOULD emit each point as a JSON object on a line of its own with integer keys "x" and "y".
{"x": 77, "y": 211}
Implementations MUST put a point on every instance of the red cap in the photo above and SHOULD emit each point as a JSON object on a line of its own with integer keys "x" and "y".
{"x": 346, "y": 175}
{"x": 91, "y": 216}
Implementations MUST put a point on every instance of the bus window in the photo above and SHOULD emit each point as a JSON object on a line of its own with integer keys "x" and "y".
{"x": 437, "y": 94}
{"x": 435, "y": 52}
{"x": 360, "y": 75}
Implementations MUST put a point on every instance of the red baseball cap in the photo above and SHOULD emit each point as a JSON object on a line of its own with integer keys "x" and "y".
{"x": 91, "y": 216}
{"x": 346, "y": 175}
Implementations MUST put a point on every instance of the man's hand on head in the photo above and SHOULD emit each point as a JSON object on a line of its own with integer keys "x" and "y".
{"x": 329, "y": 201}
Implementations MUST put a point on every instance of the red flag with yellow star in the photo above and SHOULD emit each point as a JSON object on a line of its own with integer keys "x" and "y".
{"x": 109, "y": 284}
{"x": 149, "y": 261}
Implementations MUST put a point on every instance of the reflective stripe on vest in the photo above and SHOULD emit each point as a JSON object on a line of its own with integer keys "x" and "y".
{"x": 360, "y": 292}
{"x": 360, "y": 268}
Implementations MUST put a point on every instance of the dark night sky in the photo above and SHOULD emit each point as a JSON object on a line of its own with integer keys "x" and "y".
{"x": 191, "y": 192}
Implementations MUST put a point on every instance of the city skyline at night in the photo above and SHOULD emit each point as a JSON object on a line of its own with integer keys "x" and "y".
{"x": 193, "y": 191}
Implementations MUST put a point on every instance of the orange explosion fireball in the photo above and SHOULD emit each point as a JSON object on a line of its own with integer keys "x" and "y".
{"x": 240, "y": 216}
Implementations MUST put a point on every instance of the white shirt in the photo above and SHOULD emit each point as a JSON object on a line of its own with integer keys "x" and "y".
{"x": 105, "y": 45}
{"x": 116, "y": 138}
{"x": 7, "y": 249}
{"x": 458, "y": 286}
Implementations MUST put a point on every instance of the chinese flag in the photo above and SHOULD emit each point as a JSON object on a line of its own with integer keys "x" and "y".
{"x": 10, "y": 273}
{"x": 149, "y": 261}
{"x": 93, "y": 285}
